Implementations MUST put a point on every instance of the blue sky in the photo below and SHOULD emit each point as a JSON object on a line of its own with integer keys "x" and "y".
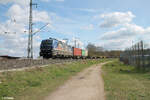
{"x": 112, "y": 24}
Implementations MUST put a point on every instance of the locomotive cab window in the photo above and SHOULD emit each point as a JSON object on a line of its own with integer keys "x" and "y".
{"x": 46, "y": 43}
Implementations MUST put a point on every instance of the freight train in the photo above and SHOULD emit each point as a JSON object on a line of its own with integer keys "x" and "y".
{"x": 53, "y": 48}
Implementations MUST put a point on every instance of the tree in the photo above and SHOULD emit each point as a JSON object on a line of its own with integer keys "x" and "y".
{"x": 97, "y": 51}
{"x": 94, "y": 51}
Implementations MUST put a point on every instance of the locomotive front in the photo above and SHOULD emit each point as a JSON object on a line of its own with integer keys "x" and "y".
{"x": 46, "y": 48}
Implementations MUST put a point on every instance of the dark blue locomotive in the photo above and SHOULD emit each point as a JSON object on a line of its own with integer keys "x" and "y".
{"x": 54, "y": 48}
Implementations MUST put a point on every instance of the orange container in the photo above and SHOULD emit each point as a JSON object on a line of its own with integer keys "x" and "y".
{"x": 77, "y": 52}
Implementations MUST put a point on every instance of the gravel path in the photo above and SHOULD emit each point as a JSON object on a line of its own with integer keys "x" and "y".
{"x": 87, "y": 85}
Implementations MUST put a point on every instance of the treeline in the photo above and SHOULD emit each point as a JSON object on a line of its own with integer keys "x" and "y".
{"x": 97, "y": 51}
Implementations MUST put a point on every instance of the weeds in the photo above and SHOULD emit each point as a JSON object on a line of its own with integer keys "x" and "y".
{"x": 123, "y": 82}
{"x": 35, "y": 84}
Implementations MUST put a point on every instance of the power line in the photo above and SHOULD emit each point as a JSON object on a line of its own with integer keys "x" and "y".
{"x": 40, "y": 29}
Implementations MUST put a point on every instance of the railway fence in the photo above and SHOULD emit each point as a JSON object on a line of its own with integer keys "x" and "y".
{"x": 138, "y": 55}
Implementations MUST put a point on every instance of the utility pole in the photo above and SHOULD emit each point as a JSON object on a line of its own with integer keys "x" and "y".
{"x": 30, "y": 36}
{"x": 30, "y": 33}
{"x": 75, "y": 42}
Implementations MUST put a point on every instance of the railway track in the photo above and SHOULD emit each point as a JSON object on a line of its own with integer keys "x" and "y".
{"x": 7, "y": 64}
{"x": 19, "y": 64}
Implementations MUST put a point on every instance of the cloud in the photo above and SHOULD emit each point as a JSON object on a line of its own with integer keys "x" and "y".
{"x": 88, "y": 27}
{"x": 24, "y": 2}
{"x": 18, "y": 13}
{"x": 127, "y": 31}
{"x": 123, "y": 37}
{"x": 41, "y": 16}
{"x": 116, "y": 18}
{"x": 14, "y": 34}
{"x": 79, "y": 43}
{"x": 119, "y": 44}
{"x": 20, "y": 2}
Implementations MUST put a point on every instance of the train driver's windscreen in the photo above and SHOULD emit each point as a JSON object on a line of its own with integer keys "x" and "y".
{"x": 46, "y": 43}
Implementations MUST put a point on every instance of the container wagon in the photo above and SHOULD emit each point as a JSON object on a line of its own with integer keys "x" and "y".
{"x": 77, "y": 53}
{"x": 84, "y": 54}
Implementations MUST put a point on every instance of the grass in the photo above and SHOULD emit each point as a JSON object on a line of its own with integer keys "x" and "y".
{"x": 35, "y": 84}
{"x": 123, "y": 82}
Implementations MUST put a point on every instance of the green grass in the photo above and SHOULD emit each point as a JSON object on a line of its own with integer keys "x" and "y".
{"x": 124, "y": 82}
{"x": 35, "y": 84}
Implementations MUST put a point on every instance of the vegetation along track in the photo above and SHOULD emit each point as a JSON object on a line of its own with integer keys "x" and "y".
{"x": 125, "y": 82}
{"x": 6, "y": 64}
{"x": 38, "y": 83}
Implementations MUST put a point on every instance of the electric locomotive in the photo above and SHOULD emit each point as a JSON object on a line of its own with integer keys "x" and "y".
{"x": 51, "y": 47}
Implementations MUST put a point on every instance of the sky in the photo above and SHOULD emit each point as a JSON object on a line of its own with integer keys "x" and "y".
{"x": 111, "y": 24}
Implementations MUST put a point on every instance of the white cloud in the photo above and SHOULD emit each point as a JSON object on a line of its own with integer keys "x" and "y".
{"x": 78, "y": 42}
{"x": 119, "y": 44}
{"x": 125, "y": 34}
{"x": 41, "y": 16}
{"x": 21, "y": 15}
{"x": 24, "y": 2}
{"x": 89, "y": 27}
{"x": 18, "y": 13}
{"x": 20, "y": 2}
{"x": 116, "y": 18}
{"x": 127, "y": 31}
{"x": 123, "y": 37}
{"x": 14, "y": 43}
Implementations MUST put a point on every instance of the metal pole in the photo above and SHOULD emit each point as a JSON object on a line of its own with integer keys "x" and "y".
{"x": 138, "y": 56}
{"x": 142, "y": 53}
{"x": 31, "y": 29}
{"x": 75, "y": 43}
{"x": 30, "y": 40}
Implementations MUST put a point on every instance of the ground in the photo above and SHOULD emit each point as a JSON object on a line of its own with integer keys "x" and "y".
{"x": 124, "y": 82}
{"x": 37, "y": 83}
{"x": 86, "y": 85}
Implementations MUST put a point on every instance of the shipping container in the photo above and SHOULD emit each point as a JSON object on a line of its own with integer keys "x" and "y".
{"x": 77, "y": 52}
{"x": 86, "y": 53}
{"x": 83, "y": 53}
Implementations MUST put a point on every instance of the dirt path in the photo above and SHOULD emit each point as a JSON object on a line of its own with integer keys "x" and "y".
{"x": 87, "y": 85}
